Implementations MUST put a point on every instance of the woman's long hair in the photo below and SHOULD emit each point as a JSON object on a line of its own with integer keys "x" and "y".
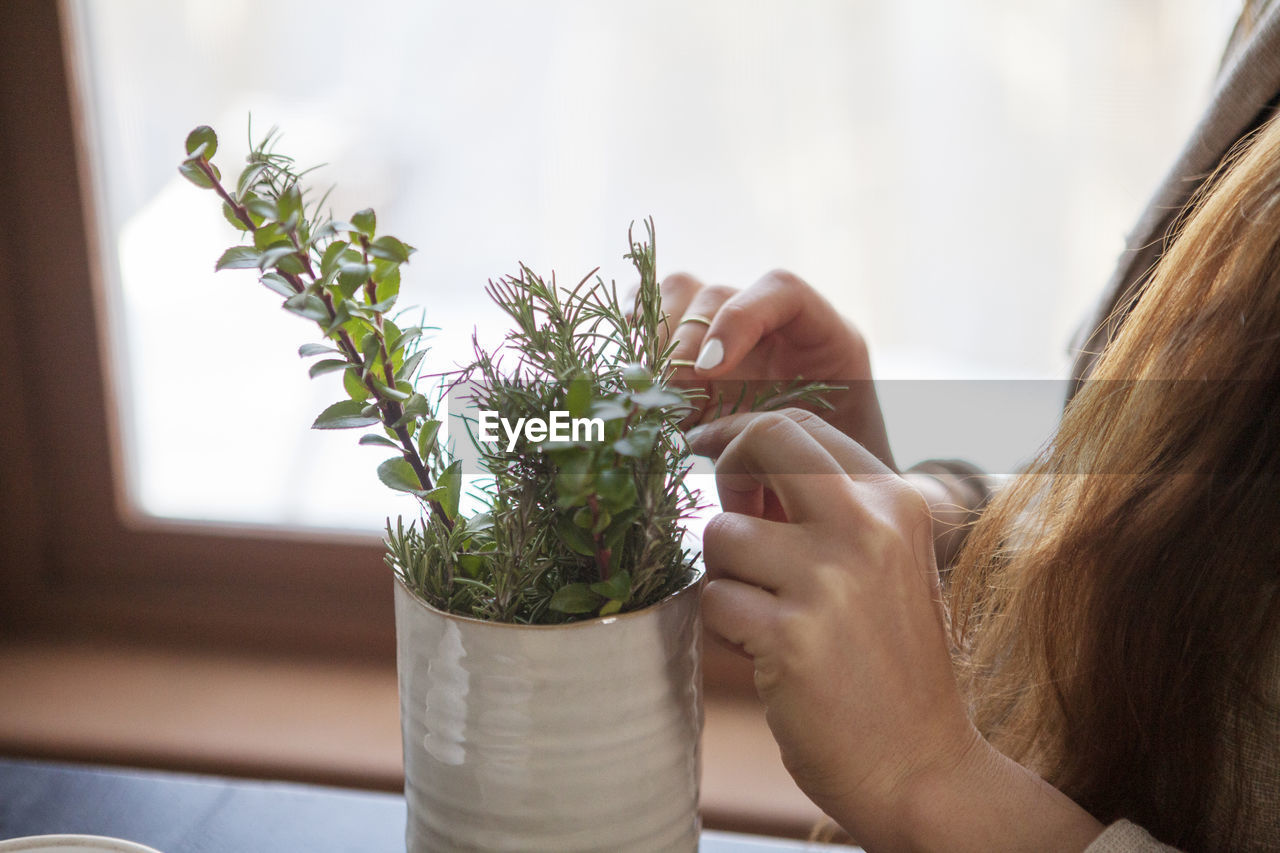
{"x": 1116, "y": 609}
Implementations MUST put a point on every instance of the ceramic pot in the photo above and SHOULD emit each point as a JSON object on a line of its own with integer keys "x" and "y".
{"x": 579, "y": 737}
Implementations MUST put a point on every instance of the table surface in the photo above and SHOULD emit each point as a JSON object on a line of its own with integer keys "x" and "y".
{"x": 201, "y": 814}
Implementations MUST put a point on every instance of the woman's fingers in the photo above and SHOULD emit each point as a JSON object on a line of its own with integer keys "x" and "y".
{"x": 748, "y": 548}
{"x": 713, "y": 438}
{"x": 772, "y": 451}
{"x": 739, "y": 613}
{"x": 690, "y": 327}
{"x": 772, "y": 303}
{"x": 677, "y": 290}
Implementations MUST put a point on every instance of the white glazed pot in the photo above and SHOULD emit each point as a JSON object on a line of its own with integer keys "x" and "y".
{"x": 579, "y": 737}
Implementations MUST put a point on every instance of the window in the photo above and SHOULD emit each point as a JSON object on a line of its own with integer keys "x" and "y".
{"x": 956, "y": 177}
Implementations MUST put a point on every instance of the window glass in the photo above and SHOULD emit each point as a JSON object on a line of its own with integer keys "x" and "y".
{"x": 956, "y": 177}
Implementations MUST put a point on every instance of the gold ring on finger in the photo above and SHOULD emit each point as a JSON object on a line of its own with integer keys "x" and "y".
{"x": 694, "y": 318}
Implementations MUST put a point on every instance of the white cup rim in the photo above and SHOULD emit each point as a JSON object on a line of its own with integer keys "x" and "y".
{"x": 87, "y": 843}
{"x": 698, "y": 575}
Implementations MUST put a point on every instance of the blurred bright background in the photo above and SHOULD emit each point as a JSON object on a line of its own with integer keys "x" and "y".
{"x": 957, "y": 177}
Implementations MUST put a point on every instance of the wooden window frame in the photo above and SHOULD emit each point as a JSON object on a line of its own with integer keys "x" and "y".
{"x": 78, "y": 560}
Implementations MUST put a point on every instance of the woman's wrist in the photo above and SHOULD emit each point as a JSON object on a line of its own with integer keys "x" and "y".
{"x": 979, "y": 799}
{"x": 956, "y": 493}
{"x": 951, "y": 516}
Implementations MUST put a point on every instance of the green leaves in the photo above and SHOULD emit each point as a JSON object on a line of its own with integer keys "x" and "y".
{"x": 448, "y": 490}
{"x": 616, "y": 488}
{"x": 408, "y": 370}
{"x": 202, "y": 142}
{"x": 638, "y": 442}
{"x": 400, "y": 392}
{"x": 289, "y": 207}
{"x": 637, "y": 376}
{"x": 418, "y": 407}
{"x": 365, "y": 221}
{"x": 607, "y": 597}
{"x": 593, "y": 521}
{"x": 307, "y": 305}
{"x": 617, "y": 587}
{"x": 249, "y": 177}
{"x": 617, "y": 494}
{"x": 398, "y": 474}
{"x": 397, "y": 339}
{"x": 285, "y": 258}
{"x": 578, "y": 397}
{"x": 277, "y": 283}
{"x": 574, "y": 598}
{"x": 370, "y": 349}
{"x": 354, "y": 274}
{"x": 609, "y": 410}
{"x": 345, "y": 286}
{"x": 328, "y": 365}
{"x": 657, "y": 398}
{"x": 237, "y": 258}
{"x": 574, "y": 477}
{"x": 386, "y": 277}
{"x": 270, "y": 234}
{"x": 229, "y": 214}
{"x": 346, "y": 414}
{"x": 263, "y": 208}
{"x": 427, "y": 437}
{"x": 195, "y": 175}
{"x": 332, "y": 252}
{"x": 388, "y": 247}
{"x": 563, "y": 516}
{"x": 576, "y": 538}
{"x": 353, "y": 385}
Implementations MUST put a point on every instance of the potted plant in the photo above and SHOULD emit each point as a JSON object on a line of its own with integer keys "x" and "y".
{"x": 548, "y": 641}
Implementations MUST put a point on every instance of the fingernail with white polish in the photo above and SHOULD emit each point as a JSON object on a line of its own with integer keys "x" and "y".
{"x": 711, "y": 354}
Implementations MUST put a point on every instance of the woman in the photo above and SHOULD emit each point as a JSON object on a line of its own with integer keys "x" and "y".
{"x": 1114, "y": 644}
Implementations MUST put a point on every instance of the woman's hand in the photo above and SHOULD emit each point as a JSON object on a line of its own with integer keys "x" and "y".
{"x": 778, "y": 329}
{"x": 836, "y": 600}
{"x": 822, "y": 572}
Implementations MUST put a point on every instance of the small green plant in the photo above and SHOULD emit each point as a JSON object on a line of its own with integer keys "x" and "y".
{"x": 571, "y": 527}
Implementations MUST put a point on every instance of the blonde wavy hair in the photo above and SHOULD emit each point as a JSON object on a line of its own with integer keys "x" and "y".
{"x": 1116, "y": 609}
